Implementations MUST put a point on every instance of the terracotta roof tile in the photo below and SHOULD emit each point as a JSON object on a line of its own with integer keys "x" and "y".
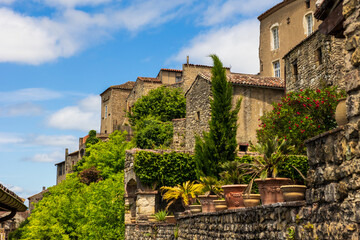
{"x": 10, "y": 199}
{"x": 199, "y": 65}
{"x": 170, "y": 70}
{"x": 126, "y": 86}
{"x": 149, "y": 79}
{"x": 251, "y": 80}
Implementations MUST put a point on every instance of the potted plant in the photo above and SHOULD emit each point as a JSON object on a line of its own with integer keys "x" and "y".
{"x": 211, "y": 191}
{"x": 273, "y": 153}
{"x": 294, "y": 192}
{"x": 220, "y": 204}
{"x": 187, "y": 191}
{"x": 232, "y": 176}
{"x": 160, "y": 216}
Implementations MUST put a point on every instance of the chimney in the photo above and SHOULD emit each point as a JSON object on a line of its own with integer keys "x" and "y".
{"x": 44, "y": 188}
{"x": 187, "y": 60}
{"x": 66, "y": 152}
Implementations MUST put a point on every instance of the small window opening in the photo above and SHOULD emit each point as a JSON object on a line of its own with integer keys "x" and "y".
{"x": 295, "y": 69}
{"x": 319, "y": 57}
{"x": 198, "y": 116}
{"x": 276, "y": 66}
{"x": 275, "y": 35}
{"x": 243, "y": 147}
{"x": 106, "y": 111}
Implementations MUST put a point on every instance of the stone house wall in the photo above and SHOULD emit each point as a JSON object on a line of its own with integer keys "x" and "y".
{"x": 255, "y": 102}
{"x": 316, "y": 62}
{"x": 159, "y": 231}
{"x": 289, "y": 17}
{"x": 179, "y": 126}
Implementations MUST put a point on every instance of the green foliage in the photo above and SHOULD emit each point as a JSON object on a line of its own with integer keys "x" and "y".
{"x": 161, "y": 215}
{"x": 286, "y": 168}
{"x": 219, "y": 144}
{"x": 211, "y": 186}
{"x": 107, "y": 157}
{"x": 90, "y": 175}
{"x": 167, "y": 169}
{"x": 74, "y": 210}
{"x": 152, "y": 133}
{"x": 92, "y": 139}
{"x": 163, "y": 102}
{"x": 299, "y": 116}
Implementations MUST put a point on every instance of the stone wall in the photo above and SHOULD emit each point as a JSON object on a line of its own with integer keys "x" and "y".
{"x": 146, "y": 231}
{"x": 316, "y": 62}
{"x": 179, "y": 126}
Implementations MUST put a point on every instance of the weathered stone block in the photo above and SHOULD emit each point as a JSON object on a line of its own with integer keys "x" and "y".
{"x": 349, "y": 7}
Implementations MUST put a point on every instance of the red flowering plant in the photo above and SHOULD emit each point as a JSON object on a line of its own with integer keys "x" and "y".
{"x": 300, "y": 115}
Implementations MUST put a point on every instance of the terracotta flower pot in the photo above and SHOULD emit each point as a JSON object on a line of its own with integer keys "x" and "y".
{"x": 251, "y": 200}
{"x": 233, "y": 195}
{"x": 340, "y": 113}
{"x": 293, "y": 192}
{"x": 207, "y": 202}
{"x": 220, "y": 205}
{"x": 151, "y": 219}
{"x": 195, "y": 209}
{"x": 269, "y": 189}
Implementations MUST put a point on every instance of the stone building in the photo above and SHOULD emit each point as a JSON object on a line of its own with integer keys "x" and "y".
{"x": 281, "y": 28}
{"x": 11, "y": 224}
{"x": 316, "y": 62}
{"x": 113, "y": 102}
{"x": 257, "y": 93}
{"x": 36, "y": 198}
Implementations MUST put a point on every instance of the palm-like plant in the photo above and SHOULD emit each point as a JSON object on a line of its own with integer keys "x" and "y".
{"x": 273, "y": 153}
{"x": 233, "y": 172}
{"x": 185, "y": 191}
{"x": 211, "y": 186}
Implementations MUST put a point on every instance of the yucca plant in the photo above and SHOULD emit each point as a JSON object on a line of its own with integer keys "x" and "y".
{"x": 274, "y": 152}
{"x": 161, "y": 215}
{"x": 185, "y": 191}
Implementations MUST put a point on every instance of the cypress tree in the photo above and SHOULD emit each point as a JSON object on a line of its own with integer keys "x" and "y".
{"x": 219, "y": 144}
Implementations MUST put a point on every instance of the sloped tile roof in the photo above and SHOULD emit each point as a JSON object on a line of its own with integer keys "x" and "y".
{"x": 149, "y": 79}
{"x": 170, "y": 70}
{"x": 11, "y": 200}
{"x": 251, "y": 80}
{"x": 126, "y": 86}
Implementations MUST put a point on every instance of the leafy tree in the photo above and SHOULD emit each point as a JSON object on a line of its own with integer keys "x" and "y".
{"x": 74, "y": 210}
{"x": 152, "y": 133}
{"x": 219, "y": 144}
{"x": 108, "y": 157}
{"x": 300, "y": 116}
{"x": 164, "y": 103}
{"x": 92, "y": 139}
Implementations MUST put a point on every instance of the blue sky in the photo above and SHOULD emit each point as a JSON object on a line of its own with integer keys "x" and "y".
{"x": 57, "y": 56}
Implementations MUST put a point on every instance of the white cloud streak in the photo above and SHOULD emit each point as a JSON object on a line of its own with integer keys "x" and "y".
{"x": 29, "y": 95}
{"x": 84, "y": 116}
{"x": 22, "y": 109}
{"x": 47, "y": 157}
{"x": 237, "y": 46}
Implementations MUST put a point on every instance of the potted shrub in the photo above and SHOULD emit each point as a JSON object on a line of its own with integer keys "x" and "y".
{"x": 232, "y": 176}
{"x": 160, "y": 216}
{"x": 187, "y": 191}
{"x": 294, "y": 192}
{"x": 211, "y": 191}
{"x": 273, "y": 153}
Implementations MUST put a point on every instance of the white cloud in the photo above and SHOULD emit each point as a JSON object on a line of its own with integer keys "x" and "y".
{"x": 85, "y": 116}
{"x": 56, "y": 141}
{"x": 36, "y": 40}
{"x": 236, "y": 46}
{"x": 22, "y": 109}
{"x": 8, "y": 138}
{"x": 73, "y": 3}
{"x": 29, "y": 94}
{"x": 47, "y": 157}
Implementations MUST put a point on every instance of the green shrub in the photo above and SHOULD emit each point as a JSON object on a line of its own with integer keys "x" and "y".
{"x": 286, "y": 169}
{"x": 299, "y": 116}
{"x": 168, "y": 169}
{"x": 152, "y": 133}
{"x": 161, "y": 215}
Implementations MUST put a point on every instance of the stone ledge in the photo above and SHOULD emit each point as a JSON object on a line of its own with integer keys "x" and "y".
{"x": 151, "y": 224}
{"x": 248, "y": 209}
{"x": 325, "y": 134}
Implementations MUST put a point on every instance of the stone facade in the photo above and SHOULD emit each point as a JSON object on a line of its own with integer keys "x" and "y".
{"x": 36, "y": 198}
{"x": 179, "y": 126}
{"x": 169, "y": 76}
{"x": 113, "y": 106}
{"x": 257, "y": 94}
{"x": 316, "y": 62}
{"x": 12, "y": 224}
{"x": 289, "y": 17}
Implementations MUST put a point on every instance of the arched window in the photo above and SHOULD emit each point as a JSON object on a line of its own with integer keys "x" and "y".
{"x": 275, "y": 37}
{"x": 309, "y": 24}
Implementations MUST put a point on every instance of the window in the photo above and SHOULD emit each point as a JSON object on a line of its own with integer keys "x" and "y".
{"x": 243, "y": 147}
{"x": 309, "y": 23}
{"x": 106, "y": 111}
{"x": 295, "y": 69}
{"x": 197, "y": 116}
{"x": 319, "y": 59}
{"x": 178, "y": 79}
{"x": 61, "y": 169}
{"x": 275, "y": 37}
{"x": 307, "y": 3}
{"x": 276, "y": 66}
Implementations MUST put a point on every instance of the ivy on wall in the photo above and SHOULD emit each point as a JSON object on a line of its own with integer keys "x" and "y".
{"x": 167, "y": 169}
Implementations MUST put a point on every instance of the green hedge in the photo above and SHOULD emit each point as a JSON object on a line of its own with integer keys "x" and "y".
{"x": 167, "y": 169}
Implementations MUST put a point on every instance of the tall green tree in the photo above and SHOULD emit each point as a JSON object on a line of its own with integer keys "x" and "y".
{"x": 219, "y": 144}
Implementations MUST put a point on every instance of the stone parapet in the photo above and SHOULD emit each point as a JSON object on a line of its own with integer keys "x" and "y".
{"x": 150, "y": 231}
